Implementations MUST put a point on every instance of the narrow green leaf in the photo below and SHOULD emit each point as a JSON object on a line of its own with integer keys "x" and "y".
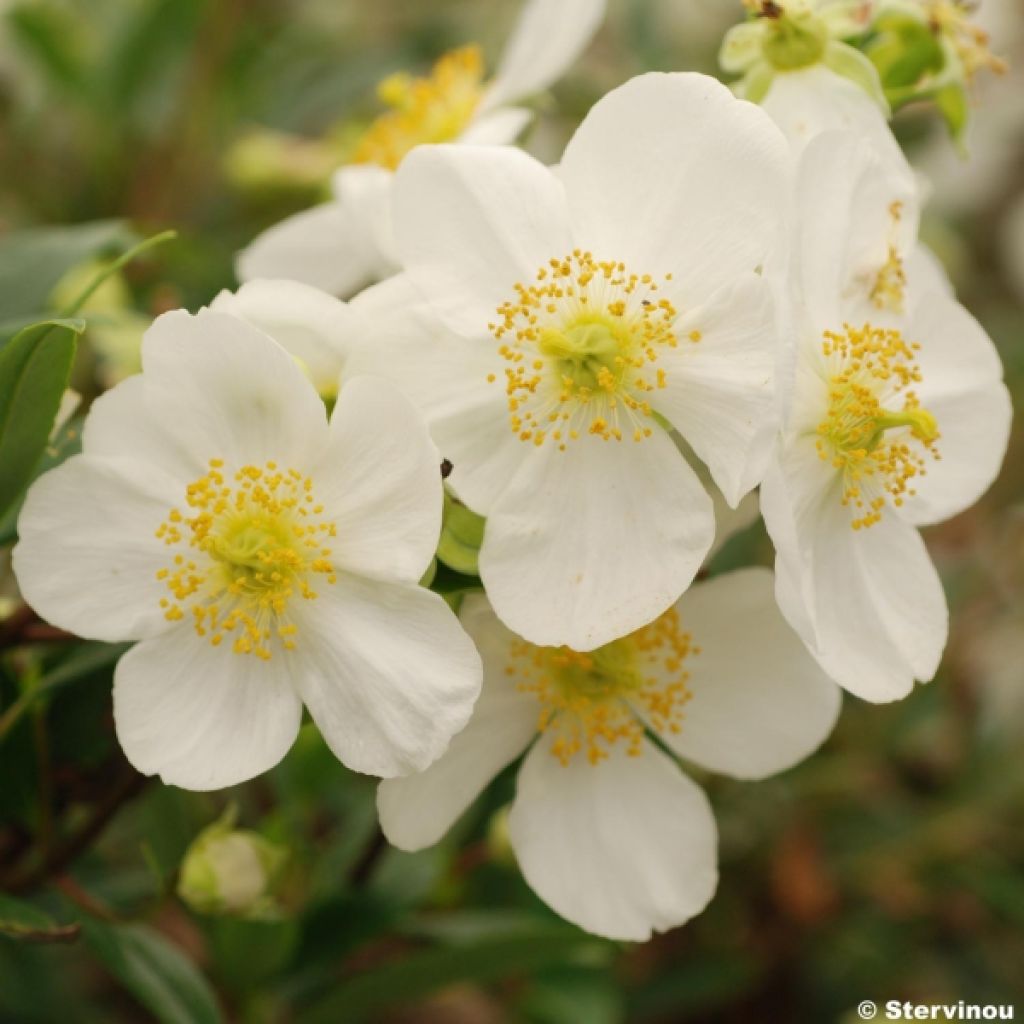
{"x": 34, "y": 371}
{"x": 156, "y": 972}
{"x": 20, "y": 920}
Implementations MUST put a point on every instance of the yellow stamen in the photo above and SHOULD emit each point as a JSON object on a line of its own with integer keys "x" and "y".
{"x": 424, "y": 110}
{"x": 246, "y": 548}
{"x": 589, "y": 702}
{"x": 580, "y": 342}
{"x": 879, "y": 451}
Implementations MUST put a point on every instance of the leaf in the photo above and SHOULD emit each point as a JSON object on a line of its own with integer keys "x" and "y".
{"x": 418, "y": 974}
{"x": 19, "y": 920}
{"x": 32, "y": 262}
{"x": 34, "y": 370}
{"x": 156, "y": 972}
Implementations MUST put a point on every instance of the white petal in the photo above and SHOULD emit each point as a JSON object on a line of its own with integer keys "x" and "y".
{"x": 589, "y": 544}
{"x": 446, "y": 377}
{"x": 230, "y": 391}
{"x": 388, "y": 674}
{"x": 316, "y": 328}
{"x": 365, "y": 191}
{"x": 87, "y": 558}
{"x": 720, "y": 390}
{"x": 759, "y": 706}
{"x": 623, "y": 848}
{"x": 547, "y": 41}
{"x": 203, "y": 717}
{"x": 808, "y": 102}
{"x": 380, "y": 482}
{"x": 500, "y": 128}
{"x": 962, "y": 387}
{"x": 472, "y": 221}
{"x": 122, "y": 424}
{"x": 673, "y": 174}
{"x": 320, "y": 247}
{"x": 868, "y": 603}
{"x": 417, "y": 810}
{"x": 847, "y": 194}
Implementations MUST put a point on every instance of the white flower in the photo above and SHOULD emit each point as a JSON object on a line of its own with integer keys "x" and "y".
{"x": 606, "y": 827}
{"x": 347, "y": 243}
{"x": 564, "y": 317}
{"x": 264, "y": 559}
{"x": 899, "y": 419}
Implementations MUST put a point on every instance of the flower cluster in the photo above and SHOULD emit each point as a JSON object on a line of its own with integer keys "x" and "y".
{"x": 706, "y": 300}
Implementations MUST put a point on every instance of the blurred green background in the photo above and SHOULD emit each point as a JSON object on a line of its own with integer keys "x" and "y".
{"x": 889, "y": 866}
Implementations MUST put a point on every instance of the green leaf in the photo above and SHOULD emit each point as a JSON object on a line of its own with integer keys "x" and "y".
{"x": 417, "y": 975}
{"x": 34, "y": 370}
{"x": 19, "y": 920}
{"x": 32, "y": 262}
{"x": 156, "y": 972}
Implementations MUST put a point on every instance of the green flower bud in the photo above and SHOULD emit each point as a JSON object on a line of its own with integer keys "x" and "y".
{"x": 230, "y": 872}
{"x": 461, "y": 537}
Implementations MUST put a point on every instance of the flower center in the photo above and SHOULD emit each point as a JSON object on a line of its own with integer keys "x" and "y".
{"x": 878, "y": 450}
{"x": 245, "y": 549}
{"x": 424, "y": 110}
{"x": 591, "y": 701}
{"x": 581, "y": 341}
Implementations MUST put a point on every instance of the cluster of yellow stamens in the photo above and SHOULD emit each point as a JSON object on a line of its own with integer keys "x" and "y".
{"x": 879, "y": 451}
{"x": 890, "y": 285}
{"x": 581, "y": 342}
{"x": 424, "y": 110}
{"x": 951, "y": 18}
{"x": 246, "y": 546}
{"x": 591, "y": 701}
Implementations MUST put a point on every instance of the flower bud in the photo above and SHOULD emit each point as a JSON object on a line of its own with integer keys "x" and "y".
{"x": 230, "y": 872}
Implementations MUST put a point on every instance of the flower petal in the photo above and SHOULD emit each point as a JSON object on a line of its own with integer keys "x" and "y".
{"x": 760, "y": 706}
{"x": 87, "y": 557}
{"x": 417, "y": 810}
{"x": 472, "y": 221}
{"x": 673, "y": 174}
{"x": 589, "y": 544}
{"x": 380, "y": 482}
{"x": 813, "y": 100}
{"x": 320, "y": 247}
{"x": 720, "y": 389}
{"x": 854, "y": 209}
{"x": 622, "y": 848}
{"x": 868, "y": 603}
{"x": 387, "y": 673}
{"x": 365, "y": 190}
{"x": 547, "y": 41}
{"x": 962, "y": 387}
{"x": 203, "y": 717}
{"x": 230, "y": 391}
{"x": 316, "y": 328}
{"x": 122, "y": 424}
{"x": 500, "y": 128}
{"x": 446, "y": 376}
